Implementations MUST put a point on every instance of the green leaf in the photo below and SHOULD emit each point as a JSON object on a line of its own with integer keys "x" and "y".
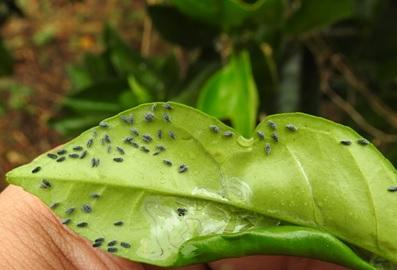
{"x": 6, "y": 60}
{"x": 127, "y": 61}
{"x": 311, "y": 195}
{"x": 231, "y": 13}
{"x": 231, "y": 94}
{"x": 84, "y": 108}
{"x": 180, "y": 29}
{"x": 265, "y": 73}
{"x": 94, "y": 69}
{"x": 313, "y": 14}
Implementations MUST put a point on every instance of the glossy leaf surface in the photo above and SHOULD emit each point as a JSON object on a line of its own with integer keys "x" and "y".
{"x": 312, "y": 14}
{"x": 198, "y": 190}
{"x": 231, "y": 94}
{"x": 231, "y": 13}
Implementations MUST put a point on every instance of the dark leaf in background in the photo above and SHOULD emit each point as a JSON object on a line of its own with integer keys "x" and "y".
{"x": 82, "y": 109}
{"x": 180, "y": 29}
{"x": 264, "y": 69}
{"x": 230, "y": 13}
{"x": 199, "y": 74}
{"x": 169, "y": 72}
{"x": 310, "y": 15}
{"x": 6, "y": 60}
{"x": 93, "y": 69}
{"x": 231, "y": 94}
{"x": 129, "y": 62}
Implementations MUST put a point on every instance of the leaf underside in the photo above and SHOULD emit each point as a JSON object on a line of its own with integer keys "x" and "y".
{"x": 174, "y": 186}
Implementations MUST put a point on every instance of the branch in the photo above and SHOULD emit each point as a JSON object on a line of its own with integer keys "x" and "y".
{"x": 378, "y": 134}
{"x": 323, "y": 52}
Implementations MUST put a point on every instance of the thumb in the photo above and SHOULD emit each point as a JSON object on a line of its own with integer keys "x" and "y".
{"x": 33, "y": 238}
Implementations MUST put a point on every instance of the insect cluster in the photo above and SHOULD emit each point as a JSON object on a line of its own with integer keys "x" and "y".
{"x": 120, "y": 151}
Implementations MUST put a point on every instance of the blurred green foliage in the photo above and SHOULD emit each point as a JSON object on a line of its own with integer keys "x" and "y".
{"x": 245, "y": 58}
{"x": 9, "y": 8}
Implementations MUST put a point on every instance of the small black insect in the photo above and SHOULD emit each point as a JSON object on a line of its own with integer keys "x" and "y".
{"x": 146, "y": 138}
{"x": 78, "y": 148}
{"x": 36, "y": 170}
{"x": 120, "y": 150}
{"x": 261, "y": 135}
{"x": 69, "y": 211}
{"x": 127, "y": 119}
{"x": 82, "y": 224}
{"x": 112, "y": 250}
{"x": 228, "y": 134}
{"x": 83, "y": 154}
{"x": 112, "y": 243}
{"x": 214, "y": 128}
{"x": 66, "y": 221}
{"x": 134, "y": 131}
{"x": 106, "y": 139}
{"x": 168, "y": 106}
{"x": 271, "y": 124}
{"x": 118, "y": 223}
{"x": 275, "y": 136}
{"x": 392, "y": 189}
{"x": 62, "y": 152}
{"x": 95, "y": 195}
{"x": 45, "y": 184}
{"x": 103, "y": 124}
{"x": 97, "y": 244}
{"x": 345, "y": 142}
{"x": 291, "y": 127}
{"x": 166, "y": 117}
{"x": 125, "y": 245}
{"x": 52, "y": 156}
{"x": 149, "y": 117}
{"x": 90, "y": 142}
{"x": 268, "y": 149}
{"x": 95, "y": 162}
{"x": 182, "y": 168}
{"x": 74, "y": 155}
{"x": 134, "y": 144}
{"x": 160, "y": 148}
{"x": 128, "y": 140}
{"x": 171, "y": 134}
{"x": 100, "y": 239}
{"x": 54, "y": 205}
{"x": 181, "y": 211}
{"x": 167, "y": 162}
{"x": 86, "y": 208}
{"x": 118, "y": 159}
{"x": 144, "y": 149}
{"x": 363, "y": 141}
{"x": 60, "y": 159}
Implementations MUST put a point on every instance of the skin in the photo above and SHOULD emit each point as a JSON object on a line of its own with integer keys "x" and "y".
{"x": 33, "y": 238}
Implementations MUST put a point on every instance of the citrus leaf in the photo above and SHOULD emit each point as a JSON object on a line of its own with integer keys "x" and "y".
{"x": 180, "y": 29}
{"x": 231, "y": 13}
{"x": 231, "y": 94}
{"x": 312, "y": 15}
{"x": 198, "y": 191}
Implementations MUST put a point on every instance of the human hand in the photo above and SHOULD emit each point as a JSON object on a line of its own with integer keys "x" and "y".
{"x": 33, "y": 238}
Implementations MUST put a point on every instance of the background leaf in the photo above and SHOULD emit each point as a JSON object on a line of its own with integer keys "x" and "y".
{"x": 6, "y": 60}
{"x": 312, "y": 14}
{"x": 231, "y": 94}
{"x": 180, "y": 29}
{"x": 231, "y": 13}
